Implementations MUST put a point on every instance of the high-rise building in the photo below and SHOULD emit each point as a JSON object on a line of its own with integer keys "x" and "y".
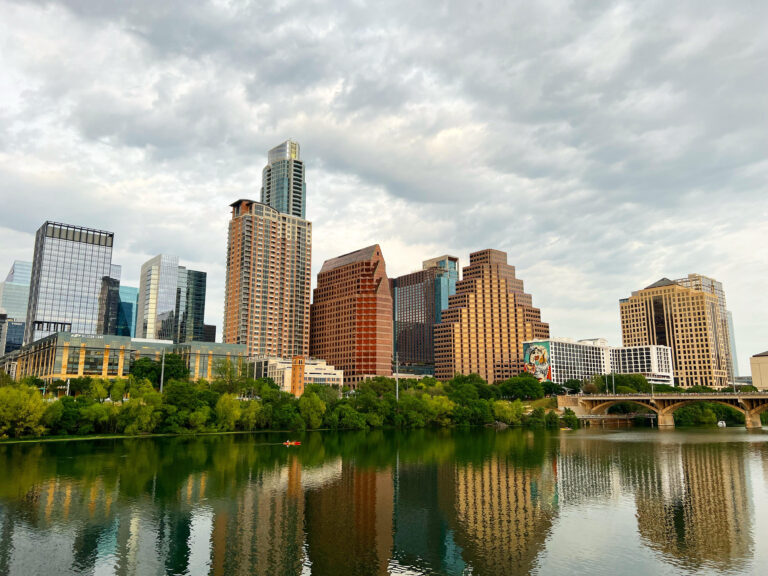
{"x": 732, "y": 345}
{"x": 561, "y": 359}
{"x": 11, "y": 334}
{"x": 282, "y": 180}
{"x": 688, "y": 320}
{"x": 171, "y": 304}
{"x": 209, "y": 333}
{"x": 268, "y": 282}
{"x": 14, "y": 291}
{"x": 128, "y": 307}
{"x": 707, "y": 284}
{"x": 68, "y": 270}
{"x": 486, "y": 322}
{"x": 418, "y": 301}
{"x": 352, "y": 315}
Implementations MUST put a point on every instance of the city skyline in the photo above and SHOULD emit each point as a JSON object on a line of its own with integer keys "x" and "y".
{"x": 636, "y": 167}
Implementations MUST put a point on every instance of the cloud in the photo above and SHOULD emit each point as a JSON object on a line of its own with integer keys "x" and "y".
{"x": 601, "y": 144}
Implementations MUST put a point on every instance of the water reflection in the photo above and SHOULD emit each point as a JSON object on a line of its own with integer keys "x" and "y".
{"x": 422, "y": 502}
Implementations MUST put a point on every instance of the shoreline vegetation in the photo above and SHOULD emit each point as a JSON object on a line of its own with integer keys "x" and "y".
{"x": 97, "y": 408}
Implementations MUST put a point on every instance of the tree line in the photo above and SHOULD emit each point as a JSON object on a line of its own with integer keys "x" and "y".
{"x": 232, "y": 401}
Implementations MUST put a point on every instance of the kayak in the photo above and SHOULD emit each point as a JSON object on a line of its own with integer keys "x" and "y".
{"x": 291, "y": 443}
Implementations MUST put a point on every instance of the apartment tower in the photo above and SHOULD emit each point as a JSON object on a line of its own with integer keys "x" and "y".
{"x": 418, "y": 301}
{"x": 486, "y": 322}
{"x": 282, "y": 180}
{"x": 352, "y": 315}
{"x": 688, "y": 320}
{"x": 69, "y": 267}
{"x": 269, "y": 258}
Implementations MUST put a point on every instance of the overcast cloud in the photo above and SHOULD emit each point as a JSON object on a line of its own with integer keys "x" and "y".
{"x": 603, "y": 145}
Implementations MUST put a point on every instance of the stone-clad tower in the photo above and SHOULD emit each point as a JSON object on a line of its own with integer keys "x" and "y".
{"x": 487, "y": 321}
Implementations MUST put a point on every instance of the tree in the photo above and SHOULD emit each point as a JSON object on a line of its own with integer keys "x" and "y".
{"x": 227, "y": 412}
{"x": 21, "y": 411}
{"x": 175, "y": 368}
{"x": 312, "y": 409}
{"x": 573, "y": 385}
{"x": 226, "y": 376}
{"x": 551, "y": 389}
{"x": 524, "y": 387}
{"x": 146, "y": 368}
{"x": 251, "y": 416}
{"x": 508, "y": 412}
{"x": 570, "y": 419}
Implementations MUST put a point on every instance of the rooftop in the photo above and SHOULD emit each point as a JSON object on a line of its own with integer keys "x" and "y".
{"x": 362, "y": 255}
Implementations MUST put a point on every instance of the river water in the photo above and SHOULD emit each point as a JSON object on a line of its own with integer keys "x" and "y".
{"x": 481, "y": 502}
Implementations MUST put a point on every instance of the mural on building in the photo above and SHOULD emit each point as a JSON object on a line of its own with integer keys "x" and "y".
{"x": 536, "y": 358}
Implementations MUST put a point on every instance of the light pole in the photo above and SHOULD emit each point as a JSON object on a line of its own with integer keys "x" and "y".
{"x": 162, "y": 372}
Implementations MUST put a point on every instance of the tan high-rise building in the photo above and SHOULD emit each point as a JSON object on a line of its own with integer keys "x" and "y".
{"x": 687, "y": 320}
{"x": 486, "y": 322}
{"x": 352, "y": 315}
{"x": 268, "y": 281}
{"x": 707, "y": 284}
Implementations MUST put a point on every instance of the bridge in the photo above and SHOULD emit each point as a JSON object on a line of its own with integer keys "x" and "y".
{"x": 751, "y": 404}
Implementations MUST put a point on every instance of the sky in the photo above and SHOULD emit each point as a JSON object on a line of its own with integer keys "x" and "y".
{"x": 602, "y": 145}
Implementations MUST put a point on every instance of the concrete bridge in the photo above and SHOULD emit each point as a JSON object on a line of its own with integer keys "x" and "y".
{"x": 751, "y": 404}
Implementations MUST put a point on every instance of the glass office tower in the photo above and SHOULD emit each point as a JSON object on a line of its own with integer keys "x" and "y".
{"x": 171, "y": 303}
{"x": 419, "y": 299}
{"x": 282, "y": 181}
{"x": 126, "y": 314}
{"x": 68, "y": 269}
{"x": 14, "y": 292}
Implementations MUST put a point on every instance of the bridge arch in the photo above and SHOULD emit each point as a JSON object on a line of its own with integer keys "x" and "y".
{"x": 603, "y": 407}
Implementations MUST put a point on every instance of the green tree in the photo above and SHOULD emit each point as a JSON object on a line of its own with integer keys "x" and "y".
{"x": 573, "y": 385}
{"x": 312, "y": 409}
{"x": 251, "y": 415}
{"x": 227, "y": 412}
{"x": 21, "y": 411}
{"x": 508, "y": 412}
{"x": 175, "y": 368}
{"x": 146, "y": 369}
{"x": 524, "y": 387}
{"x": 570, "y": 419}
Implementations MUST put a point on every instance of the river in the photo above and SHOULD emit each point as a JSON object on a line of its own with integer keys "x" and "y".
{"x": 446, "y": 502}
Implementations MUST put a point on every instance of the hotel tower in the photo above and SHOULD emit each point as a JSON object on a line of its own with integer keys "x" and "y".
{"x": 268, "y": 281}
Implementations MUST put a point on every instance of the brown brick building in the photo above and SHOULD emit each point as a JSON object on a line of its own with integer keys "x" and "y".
{"x": 351, "y": 314}
{"x": 486, "y": 322}
{"x": 269, "y": 277}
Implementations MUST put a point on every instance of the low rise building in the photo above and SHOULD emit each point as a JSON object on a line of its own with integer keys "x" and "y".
{"x": 759, "y": 365}
{"x": 64, "y": 355}
{"x": 292, "y": 375}
{"x": 563, "y": 359}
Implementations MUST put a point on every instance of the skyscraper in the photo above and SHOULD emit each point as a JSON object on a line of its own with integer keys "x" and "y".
{"x": 282, "y": 181}
{"x": 171, "y": 304}
{"x": 418, "y": 301}
{"x": 352, "y": 315}
{"x": 707, "y": 284}
{"x": 688, "y": 320}
{"x": 68, "y": 269}
{"x": 266, "y": 303}
{"x": 486, "y": 322}
{"x": 14, "y": 292}
{"x": 129, "y": 305}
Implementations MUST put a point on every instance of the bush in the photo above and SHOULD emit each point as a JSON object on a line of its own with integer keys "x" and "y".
{"x": 570, "y": 419}
{"x": 21, "y": 411}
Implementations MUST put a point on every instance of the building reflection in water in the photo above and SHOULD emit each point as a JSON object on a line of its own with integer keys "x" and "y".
{"x": 695, "y": 508}
{"x": 225, "y": 506}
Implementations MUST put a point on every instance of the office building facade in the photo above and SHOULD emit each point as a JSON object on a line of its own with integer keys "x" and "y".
{"x": 351, "y": 325}
{"x": 561, "y": 359}
{"x": 294, "y": 374}
{"x": 689, "y": 321}
{"x": 209, "y": 333}
{"x": 759, "y": 366}
{"x": 483, "y": 329}
{"x": 171, "y": 302}
{"x": 127, "y": 311}
{"x": 282, "y": 180}
{"x": 14, "y": 291}
{"x": 268, "y": 281}
{"x": 64, "y": 355}
{"x": 68, "y": 269}
{"x": 418, "y": 301}
{"x": 725, "y": 326}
